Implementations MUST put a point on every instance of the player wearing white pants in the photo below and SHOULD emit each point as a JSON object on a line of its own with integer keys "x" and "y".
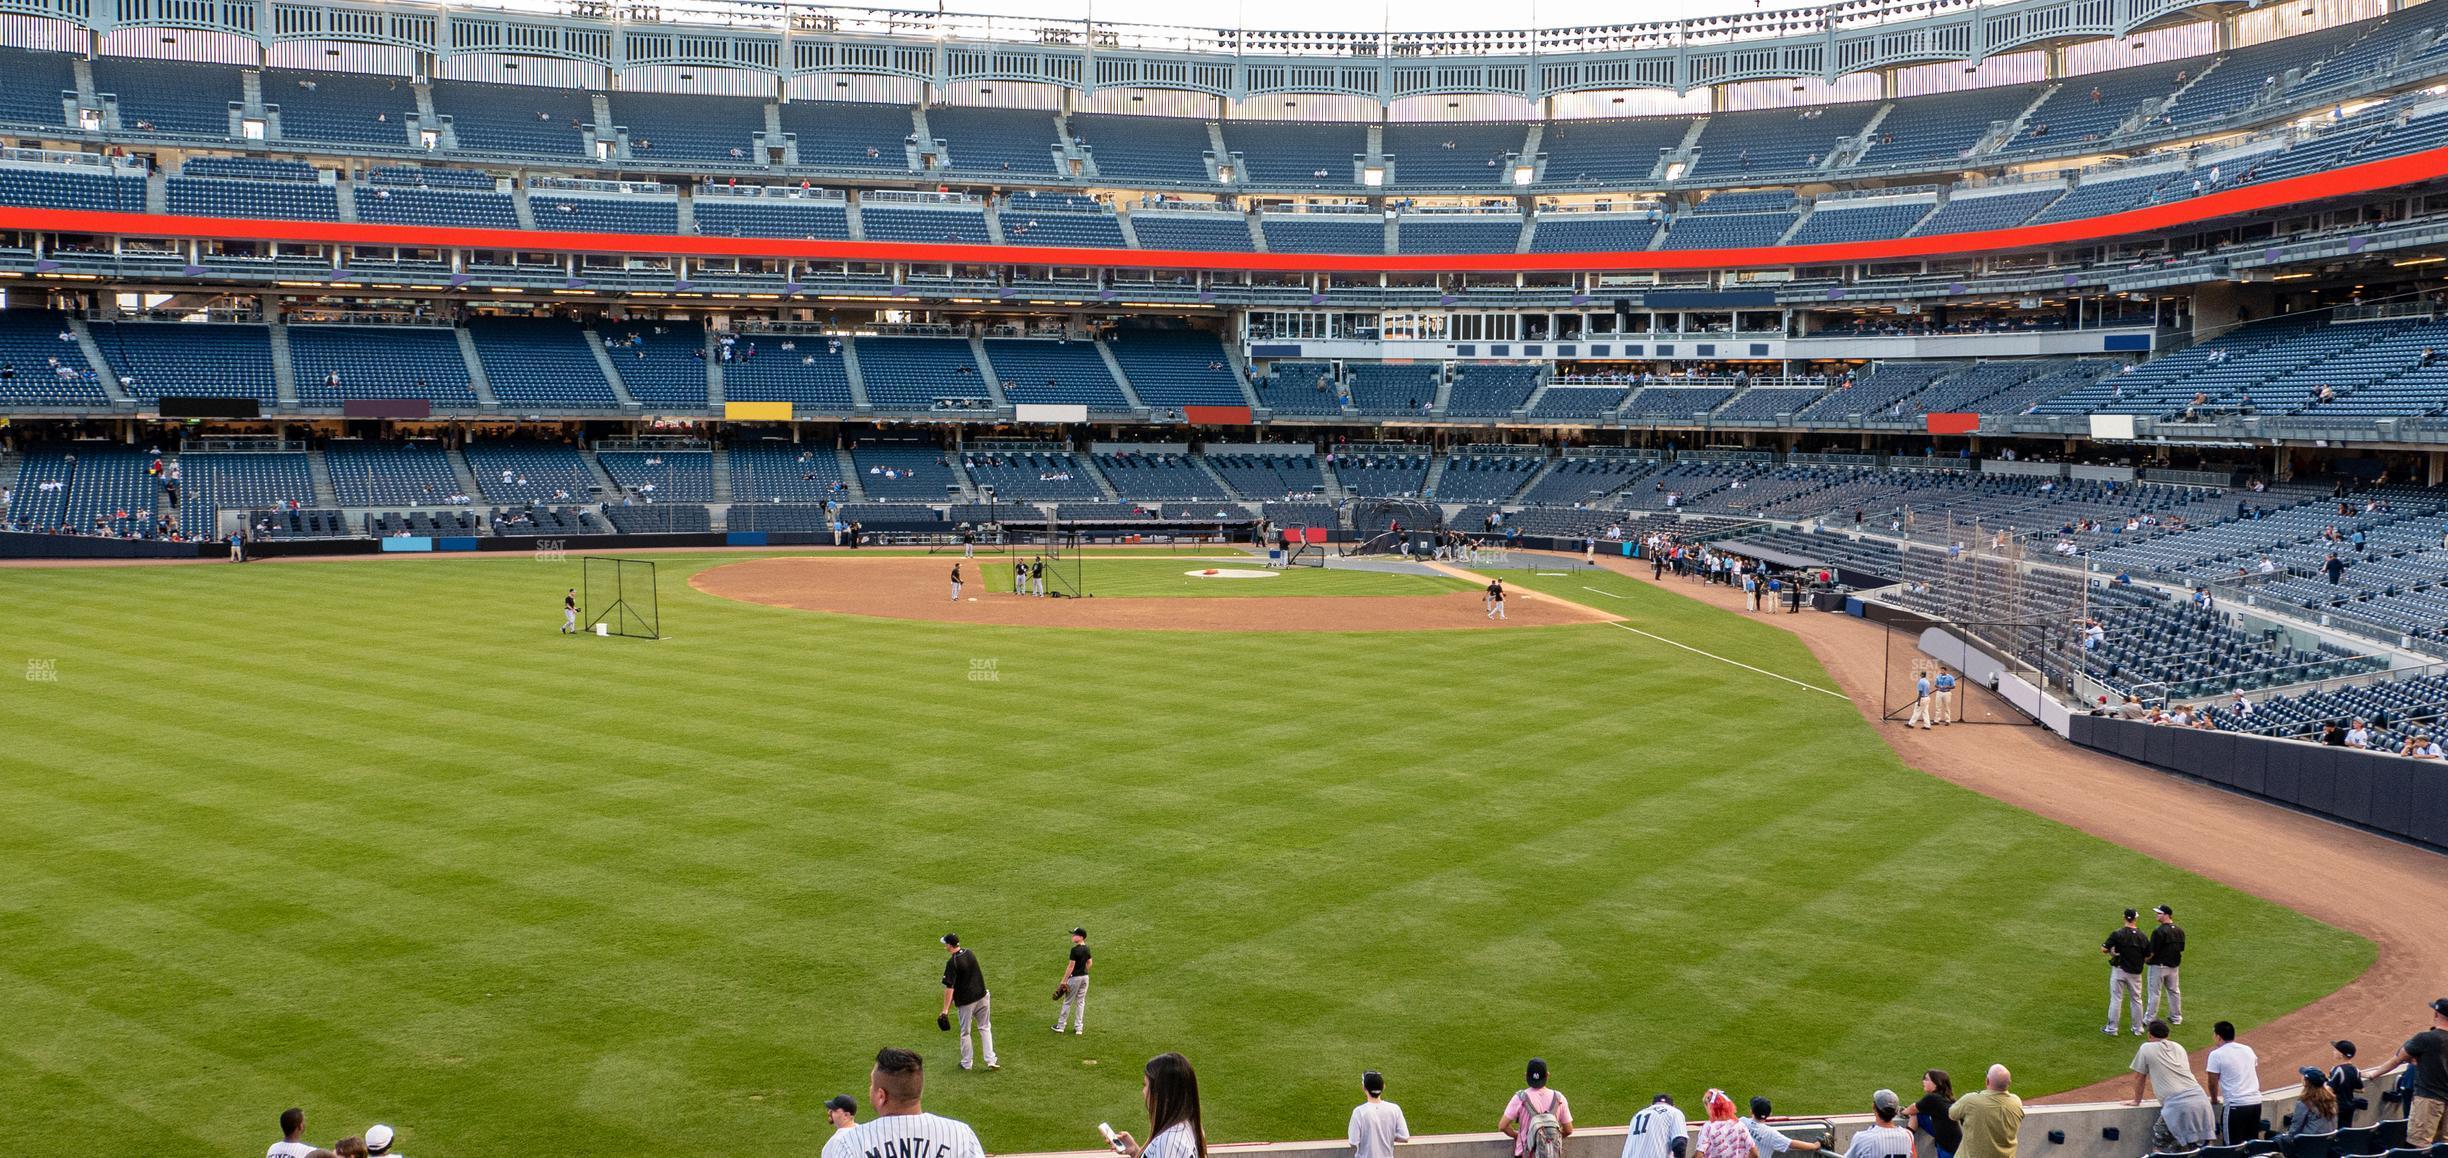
{"x": 2167, "y": 943}
{"x": 2127, "y": 950}
{"x": 965, "y": 986}
{"x": 956, "y": 583}
{"x": 1074, "y": 986}
{"x": 569, "y": 612}
{"x": 1495, "y": 599}
{"x": 1920, "y": 717}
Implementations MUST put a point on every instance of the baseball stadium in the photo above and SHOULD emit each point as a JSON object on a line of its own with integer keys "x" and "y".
{"x": 655, "y": 579}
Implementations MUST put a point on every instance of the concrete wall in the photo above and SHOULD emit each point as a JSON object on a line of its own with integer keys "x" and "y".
{"x": 2084, "y": 1128}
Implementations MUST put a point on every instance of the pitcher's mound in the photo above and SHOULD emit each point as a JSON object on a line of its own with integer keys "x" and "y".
{"x": 913, "y": 588}
{"x": 1229, "y": 573}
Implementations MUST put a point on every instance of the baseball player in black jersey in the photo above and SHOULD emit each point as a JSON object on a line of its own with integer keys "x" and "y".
{"x": 1072, "y": 990}
{"x": 569, "y": 612}
{"x": 956, "y": 583}
{"x": 964, "y": 985}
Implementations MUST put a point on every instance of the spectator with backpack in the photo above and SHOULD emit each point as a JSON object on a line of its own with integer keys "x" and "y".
{"x": 1538, "y": 1119}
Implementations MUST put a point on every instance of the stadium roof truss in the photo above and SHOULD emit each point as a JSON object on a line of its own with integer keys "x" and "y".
{"x": 793, "y": 40}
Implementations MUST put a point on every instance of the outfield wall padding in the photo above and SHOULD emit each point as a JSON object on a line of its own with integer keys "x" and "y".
{"x": 2388, "y": 794}
{"x": 18, "y": 545}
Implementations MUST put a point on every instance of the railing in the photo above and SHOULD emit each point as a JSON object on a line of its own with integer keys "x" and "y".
{"x": 656, "y": 444}
{"x": 920, "y": 197}
{"x": 590, "y": 185}
{"x": 717, "y": 189}
{"x": 130, "y": 165}
{"x": 241, "y": 446}
{"x": 397, "y": 319}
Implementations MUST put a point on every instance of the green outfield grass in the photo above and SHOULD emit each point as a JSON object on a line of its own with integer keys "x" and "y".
{"x": 372, "y": 838}
{"x": 1109, "y": 578}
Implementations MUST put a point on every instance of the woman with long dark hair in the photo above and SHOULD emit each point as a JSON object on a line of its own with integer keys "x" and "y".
{"x": 1171, "y": 1092}
{"x": 1929, "y": 1115}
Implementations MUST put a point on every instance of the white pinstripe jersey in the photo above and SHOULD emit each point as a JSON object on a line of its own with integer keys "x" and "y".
{"x": 1653, "y": 1131}
{"x": 909, "y": 1136}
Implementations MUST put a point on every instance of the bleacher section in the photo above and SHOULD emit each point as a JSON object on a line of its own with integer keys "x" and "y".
{"x": 1594, "y": 232}
{"x": 1453, "y": 155}
{"x": 106, "y": 489}
{"x": 1296, "y": 154}
{"x": 1945, "y": 126}
{"x": 1032, "y": 219}
{"x": 914, "y": 373}
{"x": 387, "y": 473}
{"x": 32, "y": 84}
{"x": 1458, "y": 233}
{"x": 1668, "y": 403}
{"x": 1491, "y": 391}
{"x": 212, "y": 483}
{"x": 525, "y": 472}
{"x": 1175, "y": 368}
{"x": 378, "y": 362}
{"x": 869, "y": 138}
{"x": 184, "y": 358}
{"x": 780, "y": 214}
{"x": 662, "y": 363}
{"x": 1592, "y": 154}
{"x": 340, "y": 107}
{"x": 63, "y": 187}
{"x": 995, "y": 141}
{"x": 698, "y": 129}
{"x": 1967, "y": 214}
{"x": 169, "y": 96}
{"x": 805, "y": 369}
{"x": 1156, "y": 151}
{"x": 1382, "y": 474}
{"x": 1788, "y": 141}
{"x": 37, "y": 368}
{"x": 1267, "y": 477}
{"x": 775, "y": 471}
{"x": 1149, "y": 476}
{"x": 515, "y": 120}
{"x": 435, "y": 197}
{"x": 1472, "y": 477}
{"x": 560, "y": 209}
{"x": 1045, "y": 371}
{"x": 1029, "y": 475}
{"x": 1389, "y": 388}
{"x": 919, "y": 473}
{"x": 542, "y": 363}
{"x": 1846, "y": 221}
{"x": 660, "y": 476}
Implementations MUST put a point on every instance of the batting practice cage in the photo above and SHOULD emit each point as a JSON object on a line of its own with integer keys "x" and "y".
{"x": 1995, "y": 619}
{"x": 1028, "y": 544}
{"x": 620, "y": 597}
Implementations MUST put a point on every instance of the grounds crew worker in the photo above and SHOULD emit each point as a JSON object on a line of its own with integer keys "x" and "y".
{"x": 965, "y": 986}
{"x": 1072, "y": 990}
{"x": 2127, "y": 951}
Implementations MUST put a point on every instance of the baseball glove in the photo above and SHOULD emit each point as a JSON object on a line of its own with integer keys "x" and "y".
{"x": 943, "y": 1021}
{"x": 1062, "y": 989}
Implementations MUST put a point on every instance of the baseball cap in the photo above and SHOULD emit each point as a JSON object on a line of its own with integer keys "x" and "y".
{"x": 1666, "y": 1098}
{"x": 2440, "y": 1007}
{"x": 2343, "y": 1047}
{"x": 1373, "y": 1082}
{"x": 1884, "y": 1101}
{"x": 841, "y": 1102}
{"x": 1079, "y": 932}
{"x": 2130, "y": 914}
{"x": 1537, "y": 1073}
{"x": 2313, "y": 1077}
{"x": 378, "y": 1139}
{"x": 952, "y": 939}
{"x": 2164, "y": 911}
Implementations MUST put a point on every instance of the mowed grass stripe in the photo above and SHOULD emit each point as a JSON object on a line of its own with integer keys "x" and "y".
{"x": 700, "y": 879}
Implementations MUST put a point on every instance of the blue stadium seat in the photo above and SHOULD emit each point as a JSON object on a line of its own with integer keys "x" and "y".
{"x": 540, "y": 364}
{"x": 378, "y": 362}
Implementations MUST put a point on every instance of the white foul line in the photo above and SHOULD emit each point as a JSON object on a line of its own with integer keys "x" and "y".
{"x": 1608, "y": 594}
{"x": 1737, "y": 663}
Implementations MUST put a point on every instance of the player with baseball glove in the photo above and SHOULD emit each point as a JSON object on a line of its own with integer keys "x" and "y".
{"x": 1072, "y": 990}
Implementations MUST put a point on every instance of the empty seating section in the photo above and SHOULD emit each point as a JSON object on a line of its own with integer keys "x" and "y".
{"x": 62, "y": 187}
{"x": 1964, "y": 214}
{"x": 984, "y": 140}
{"x": 1586, "y": 481}
{"x": 1843, "y": 221}
{"x": 1879, "y": 389}
{"x": 1386, "y": 388}
{"x": 1296, "y": 155}
{"x": 719, "y": 130}
{"x": 1270, "y": 476}
{"x": 1944, "y": 126}
{"x": 1726, "y": 230}
{"x": 1776, "y": 140}
{"x": 184, "y": 358}
{"x": 2375, "y": 55}
{"x": 1765, "y": 404}
{"x": 946, "y": 225}
{"x": 559, "y": 209}
{"x": 1747, "y": 201}
{"x": 105, "y": 488}
{"x": 1042, "y": 371}
{"x": 378, "y": 362}
{"x": 1601, "y": 153}
{"x": 1473, "y": 233}
{"x": 212, "y": 483}
{"x": 807, "y": 370}
{"x": 1159, "y": 474}
{"x": 1155, "y": 151}
{"x": 1594, "y": 232}
{"x": 2095, "y": 199}
{"x": 541, "y": 363}
{"x": 1177, "y": 368}
{"x": 1450, "y": 155}
{"x": 1073, "y": 221}
{"x": 31, "y": 84}
{"x": 1323, "y": 232}
{"x": 772, "y": 216}
{"x": 2085, "y": 108}
{"x": 431, "y": 524}
{"x": 659, "y": 517}
{"x": 1663, "y": 403}
{"x": 1030, "y": 475}
{"x": 912, "y": 373}
{"x": 2255, "y": 73}
{"x": 2008, "y": 387}
{"x": 350, "y": 108}
{"x": 869, "y": 138}
{"x": 1578, "y": 403}
{"x": 904, "y": 471}
{"x": 1489, "y": 391}
{"x": 168, "y": 96}
{"x": 299, "y": 523}
{"x": 416, "y": 205}
{"x": 544, "y": 520}
{"x": 521, "y": 472}
{"x": 1299, "y": 388}
{"x": 38, "y": 368}
{"x": 1210, "y": 232}
{"x": 386, "y": 473}
{"x": 1471, "y": 477}
{"x": 515, "y": 119}
{"x": 283, "y": 197}
{"x": 661, "y": 476}
{"x": 1382, "y": 474}
{"x": 663, "y": 363}
{"x": 773, "y": 471}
